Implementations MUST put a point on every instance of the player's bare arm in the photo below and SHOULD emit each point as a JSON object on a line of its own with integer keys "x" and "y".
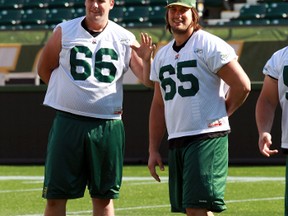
{"x": 157, "y": 129}
{"x": 265, "y": 111}
{"x": 239, "y": 83}
{"x": 49, "y": 59}
{"x": 141, "y": 59}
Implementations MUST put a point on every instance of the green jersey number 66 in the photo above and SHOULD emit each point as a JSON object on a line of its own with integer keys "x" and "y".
{"x": 99, "y": 64}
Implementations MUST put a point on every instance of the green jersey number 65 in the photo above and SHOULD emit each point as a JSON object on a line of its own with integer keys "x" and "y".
{"x": 167, "y": 83}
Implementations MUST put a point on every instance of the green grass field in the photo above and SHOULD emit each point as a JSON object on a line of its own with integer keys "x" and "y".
{"x": 251, "y": 191}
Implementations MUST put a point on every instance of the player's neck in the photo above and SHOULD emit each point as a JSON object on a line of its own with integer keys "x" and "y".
{"x": 93, "y": 27}
{"x": 181, "y": 38}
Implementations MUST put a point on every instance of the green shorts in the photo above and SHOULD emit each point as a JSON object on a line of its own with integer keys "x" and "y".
{"x": 197, "y": 175}
{"x": 84, "y": 152}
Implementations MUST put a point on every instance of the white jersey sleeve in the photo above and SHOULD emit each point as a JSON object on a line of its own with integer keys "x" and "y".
{"x": 193, "y": 94}
{"x": 277, "y": 68}
{"x": 89, "y": 79}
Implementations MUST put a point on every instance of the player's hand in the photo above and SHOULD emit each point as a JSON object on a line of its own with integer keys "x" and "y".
{"x": 264, "y": 143}
{"x": 155, "y": 160}
{"x": 146, "y": 48}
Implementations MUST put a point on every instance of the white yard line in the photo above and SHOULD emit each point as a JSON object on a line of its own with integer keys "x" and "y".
{"x": 142, "y": 180}
{"x": 162, "y": 206}
{"x": 165, "y": 178}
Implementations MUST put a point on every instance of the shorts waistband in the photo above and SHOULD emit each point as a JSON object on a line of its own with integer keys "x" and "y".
{"x": 79, "y": 117}
{"x": 187, "y": 140}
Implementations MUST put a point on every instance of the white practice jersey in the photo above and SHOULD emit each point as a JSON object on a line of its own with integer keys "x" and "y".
{"x": 277, "y": 67}
{"x": 193, "y": 94}
{"x": 89, "y": 79}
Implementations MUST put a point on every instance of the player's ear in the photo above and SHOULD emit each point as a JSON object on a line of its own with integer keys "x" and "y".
{"x": 112, "y": 2}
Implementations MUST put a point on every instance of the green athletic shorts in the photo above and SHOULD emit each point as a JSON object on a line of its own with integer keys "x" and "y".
{"x": 84, "y": 152}
{"x": 197, "y": 175}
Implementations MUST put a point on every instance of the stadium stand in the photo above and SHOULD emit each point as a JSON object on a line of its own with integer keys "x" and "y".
{"x": 57, "y": 15}
{"x": 34, "y": 4}
{"x": 12, "y": 4}
{"x": 34, "y": 18}
{"x": 139, "y": 3}
{"x": 253, "y": 11}
{"x": 46, "y": 14}
{"x": 151, "y": 12}
{"x": 117, "y": 14}
{"x": 10, "y": 19}
{"x": 259, "y": 13}
{"x": 277, "y": 10}
{"x": 136, "y": 16}
{"x": 157, "y": 15}
{"x": 60, "y": 3}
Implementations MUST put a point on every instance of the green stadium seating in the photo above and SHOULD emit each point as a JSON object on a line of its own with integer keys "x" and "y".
{"x": 131, "y": 13}
{"x": 232, "y": 22}
{"x": 34, "y": 19}
{"x": 33, "y": 4}
{"x": 10, "y": 19}
{"x": 158, "y": 3}
{"x": 117, "y": 14}
{"x": 157, "y": 15}
{"x": 256, "y": 22}
{"x": 213, "y": 3}
{"x": 79, "y": 11}
{"x": 253, "y": 11}
{"x": 136, "y": 3}
{"x": 77, "y": 3}
{"x": 34, "y": 16}
{"x": 277, "y": 10}
{"x": 136, "y": 16}
{"x": 60, "y": 3}
{"x": 279, "y": 22}
{"x": 11, "y": 4}
{"x": 270, "y": 1}
{"x": 119, "y": 3}
{"x": 58, "y": 15}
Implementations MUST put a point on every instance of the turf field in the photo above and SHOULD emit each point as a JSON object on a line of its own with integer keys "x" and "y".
{"x": 251, "y": 191}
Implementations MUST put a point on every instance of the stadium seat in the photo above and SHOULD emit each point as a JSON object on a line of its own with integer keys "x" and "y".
{"x": 279, "y": 22}
{"x": 136, "y": 16}
{"x": 232, "y": 22}
{"x": 249, "y": 11}
{"x": 60, "y": 3}
{"x": 77, "y": 3}
{"x": 257, "y": 22}
{"x": 157, "y": 3}
{"x": 31, "y": 4}
{"x": 34, "y": 16}
{"x": 79, "y": 11}
{"x": 119, "y": 3}
{"x": 270, "y": 1}
{"x": 34, "y": 19}
{"x": 117, "y": 14}
{"x": 277, "y": 10}
{"x": 157, "y": 15}
{"x": 213, "y": 3}
{"x": 11, "y": 4}
{"x": 10, "y": 18}
{"x": 58, "y": 15}
{"x": 136, "y": 3}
